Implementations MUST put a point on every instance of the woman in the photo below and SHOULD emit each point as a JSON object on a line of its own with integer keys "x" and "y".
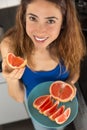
{"x": 50, "y": 39}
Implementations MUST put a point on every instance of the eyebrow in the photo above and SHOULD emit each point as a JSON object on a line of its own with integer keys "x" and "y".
{"x": 52, "y": 17}
{"x": 32, "y": 15}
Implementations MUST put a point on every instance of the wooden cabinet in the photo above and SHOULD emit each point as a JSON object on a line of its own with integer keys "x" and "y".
{"x": 7, "y": 17}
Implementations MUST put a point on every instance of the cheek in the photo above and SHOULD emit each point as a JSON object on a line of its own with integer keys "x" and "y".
{"x": 54, "y": 32}
{"x": 29, "y": 28}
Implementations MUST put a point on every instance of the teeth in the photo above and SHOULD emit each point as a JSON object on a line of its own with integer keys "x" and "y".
{"x": 40, "y": 39}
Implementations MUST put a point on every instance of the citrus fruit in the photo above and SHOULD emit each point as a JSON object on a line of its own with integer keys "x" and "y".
{"x": 57, "y": 113}
{"x": 51, "y": 110}
{"x": 64, "y": 116}
{"x": 62, "y": 91}
{"x": 15, "y": 61}
{"x": 46, "y": 106}
{"x": 41, "y": 101}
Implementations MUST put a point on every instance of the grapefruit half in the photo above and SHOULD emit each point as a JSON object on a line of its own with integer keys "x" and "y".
{"x": 62, "y": 91}
{"x": 15, "y": 61}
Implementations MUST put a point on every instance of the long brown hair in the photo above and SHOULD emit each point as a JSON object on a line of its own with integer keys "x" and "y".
{"x": 70, "y": 44}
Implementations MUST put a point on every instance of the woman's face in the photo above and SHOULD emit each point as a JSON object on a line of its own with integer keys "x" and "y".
{"x": 43, "y": 22}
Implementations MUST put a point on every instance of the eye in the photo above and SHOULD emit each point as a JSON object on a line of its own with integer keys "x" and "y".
{"x": 51, "y": 21}
{"x": 32, "y": 18}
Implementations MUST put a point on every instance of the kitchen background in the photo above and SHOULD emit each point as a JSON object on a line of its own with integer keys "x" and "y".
{"x": 13, "y": 116}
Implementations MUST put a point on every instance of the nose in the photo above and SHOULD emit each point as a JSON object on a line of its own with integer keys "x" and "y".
{"x": 41, "y": 28}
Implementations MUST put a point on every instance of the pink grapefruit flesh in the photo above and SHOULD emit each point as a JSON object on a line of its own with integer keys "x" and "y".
{"x": 62, "y": 91}
{"x": 15, "y": 61}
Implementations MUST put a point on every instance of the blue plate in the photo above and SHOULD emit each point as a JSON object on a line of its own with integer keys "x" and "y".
{"x": 43, "y": 89}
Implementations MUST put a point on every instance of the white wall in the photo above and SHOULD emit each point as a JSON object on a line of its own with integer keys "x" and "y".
{"x": 8, "y": 3}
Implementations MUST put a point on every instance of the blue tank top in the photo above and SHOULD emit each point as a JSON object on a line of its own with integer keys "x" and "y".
{"x": 32, "y": 78}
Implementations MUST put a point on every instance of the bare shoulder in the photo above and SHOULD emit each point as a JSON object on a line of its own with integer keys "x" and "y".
{"x": 5, "y": 46}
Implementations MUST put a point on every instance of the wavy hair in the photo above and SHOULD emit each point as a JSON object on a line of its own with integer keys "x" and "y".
{"x": 70, "y": 44}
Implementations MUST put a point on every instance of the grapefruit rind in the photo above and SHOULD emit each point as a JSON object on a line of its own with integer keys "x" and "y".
{"x": 12, "y": 59}
{"x": 58, "y": 97}
{"x": 74, "y": 93}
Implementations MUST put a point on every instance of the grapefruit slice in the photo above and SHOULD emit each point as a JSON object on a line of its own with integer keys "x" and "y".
{"x": 62, "y": 91}
{"x": 41, "y": 101}
{"x": 15, "y": 61}
{"x": 64, "y": 116}
{"x": 57, "y": 112}
{"x": 51, "y": 110}
{"x": 46, "y": 106}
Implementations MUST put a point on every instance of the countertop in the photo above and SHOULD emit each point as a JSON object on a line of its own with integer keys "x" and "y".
{"x": 2, "y": 79}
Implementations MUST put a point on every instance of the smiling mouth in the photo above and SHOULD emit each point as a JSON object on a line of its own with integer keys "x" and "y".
{"x": 40, "y": 39}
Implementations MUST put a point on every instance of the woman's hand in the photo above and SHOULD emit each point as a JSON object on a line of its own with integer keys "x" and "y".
{"x": 11, "y": 73}
{"x": 74, "y": 87}
{"x": 15, "y": 74}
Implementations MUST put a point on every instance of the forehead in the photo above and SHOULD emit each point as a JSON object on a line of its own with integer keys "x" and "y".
{"x": 43, "y": 7}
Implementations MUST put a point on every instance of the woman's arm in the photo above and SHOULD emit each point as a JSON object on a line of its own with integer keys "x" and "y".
{"x": 15, "y": 87}
{"x": 73, "y": 78}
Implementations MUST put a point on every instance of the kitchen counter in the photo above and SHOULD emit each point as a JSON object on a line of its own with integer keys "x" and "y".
{"x": 2, "y": 80}
{"x": 10, "y": 110}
